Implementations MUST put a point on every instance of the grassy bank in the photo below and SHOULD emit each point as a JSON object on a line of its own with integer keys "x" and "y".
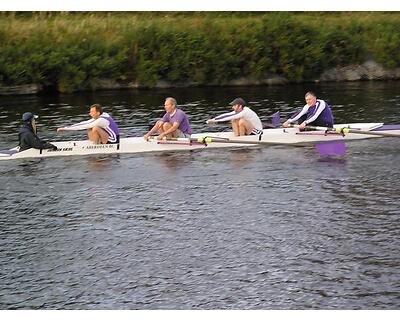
{"x": 71, "y": 51}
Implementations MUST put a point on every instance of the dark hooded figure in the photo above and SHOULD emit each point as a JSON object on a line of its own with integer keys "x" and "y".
{"x": 27, "y": 134}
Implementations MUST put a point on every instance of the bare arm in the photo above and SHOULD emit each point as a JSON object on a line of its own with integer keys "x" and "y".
{"x": 155, "y": 128}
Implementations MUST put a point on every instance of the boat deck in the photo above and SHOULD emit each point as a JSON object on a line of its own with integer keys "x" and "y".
{"x": 275, "y": 136}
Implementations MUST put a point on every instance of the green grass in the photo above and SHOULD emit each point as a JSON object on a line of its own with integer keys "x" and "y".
{"x": 70, "y": 51}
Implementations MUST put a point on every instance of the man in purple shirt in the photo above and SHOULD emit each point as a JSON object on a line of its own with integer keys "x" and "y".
{"x": 174, "y": 124}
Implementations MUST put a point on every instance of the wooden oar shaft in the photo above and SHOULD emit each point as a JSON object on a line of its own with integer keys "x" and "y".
{"x": 233, "y": 141}
{"x": 207, "y": 140}
{"x": 348, "y": 130}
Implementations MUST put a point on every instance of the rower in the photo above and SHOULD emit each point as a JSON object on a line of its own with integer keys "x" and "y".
{"x": 174, "y": 123}
{"x": 101, "y": 129}
{"x": 244, "y": 120}
{"x": 316, "y": 112}
{"x": 28, "y": 134}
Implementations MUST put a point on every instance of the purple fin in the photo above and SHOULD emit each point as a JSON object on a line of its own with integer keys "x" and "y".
{"x": 331, "y": 148}
{"x": 276, "y": 119}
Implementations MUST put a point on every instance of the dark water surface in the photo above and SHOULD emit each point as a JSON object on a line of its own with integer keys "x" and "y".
{"x": 269, "y": 228}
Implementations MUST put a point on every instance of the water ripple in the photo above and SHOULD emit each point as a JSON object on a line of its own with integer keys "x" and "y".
{"x": 258, "y": 228}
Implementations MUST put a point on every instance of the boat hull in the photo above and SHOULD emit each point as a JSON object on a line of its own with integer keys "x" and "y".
{"x": 276, "y": 136}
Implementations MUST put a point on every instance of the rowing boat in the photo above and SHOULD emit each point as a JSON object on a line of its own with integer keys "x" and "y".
{"x": 272, "y": 136}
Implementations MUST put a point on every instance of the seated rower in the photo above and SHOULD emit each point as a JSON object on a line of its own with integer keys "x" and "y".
{"x": 244, "y": 120}
{"x": 174, "y": 123}
{"x": 101, "y": 129}
{"x": 315, "y": 112}
{"x": 28, "y": 134}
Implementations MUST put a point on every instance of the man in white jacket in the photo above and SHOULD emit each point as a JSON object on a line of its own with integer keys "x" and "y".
{"x": 244, "y": 120}
{"x": 315, "y": 112}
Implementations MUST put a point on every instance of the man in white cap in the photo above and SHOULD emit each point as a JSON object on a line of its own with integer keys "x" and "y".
{"x": 28, "y": 134}
{"x": 244, "y": 120}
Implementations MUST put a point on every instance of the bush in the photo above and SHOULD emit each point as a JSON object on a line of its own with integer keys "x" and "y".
{"x": 71, "y": 51}
{"x": 384, "y": 44}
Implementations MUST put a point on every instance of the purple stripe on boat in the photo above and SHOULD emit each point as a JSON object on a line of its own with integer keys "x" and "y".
{"x": 9, "y": 152}
{"x": 318, "y": 133}
{"x": 388, "y": 127}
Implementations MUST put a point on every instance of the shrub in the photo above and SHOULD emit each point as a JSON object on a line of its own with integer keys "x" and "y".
{"x": 71, "y": 51}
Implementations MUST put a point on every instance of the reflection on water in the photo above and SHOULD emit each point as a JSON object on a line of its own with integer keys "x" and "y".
{"x": 247, "y": 228}
{"x": 174, "y": 160}
{"x": 337, "y": 160}
{"x": 238, "y": 157}
{"x": 242, "y": 156}
{"x": 98, "y": 163}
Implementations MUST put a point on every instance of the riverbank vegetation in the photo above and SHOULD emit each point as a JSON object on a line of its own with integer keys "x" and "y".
{"x": 73, "y": 51}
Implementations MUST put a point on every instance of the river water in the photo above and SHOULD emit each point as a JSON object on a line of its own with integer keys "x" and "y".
{"x": 256, "y": 228}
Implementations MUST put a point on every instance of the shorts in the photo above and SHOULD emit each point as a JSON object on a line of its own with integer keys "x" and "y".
{"x": 113, "y": 142}
{"x": 180, "y": 134}
{"x": 255, "y": 132}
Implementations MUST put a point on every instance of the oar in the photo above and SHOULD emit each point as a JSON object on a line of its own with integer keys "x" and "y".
{"x": 207, "y": 140}
{"x": 233, "y": 141}
{"x": 348, "y": 130}
{"x": 325, "y": 149}
{"x": 275, "y": 121}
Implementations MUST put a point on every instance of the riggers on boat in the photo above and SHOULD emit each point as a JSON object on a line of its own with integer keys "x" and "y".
{"x": 273, "y": 136}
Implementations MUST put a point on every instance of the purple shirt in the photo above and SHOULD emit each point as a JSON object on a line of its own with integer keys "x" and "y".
{"x": 181, "y": 118}
{"x": 112, "y": 129}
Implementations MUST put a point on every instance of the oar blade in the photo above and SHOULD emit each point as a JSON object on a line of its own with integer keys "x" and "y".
{"x": 334, "y": 149}
{"x": 276, "y": 119}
